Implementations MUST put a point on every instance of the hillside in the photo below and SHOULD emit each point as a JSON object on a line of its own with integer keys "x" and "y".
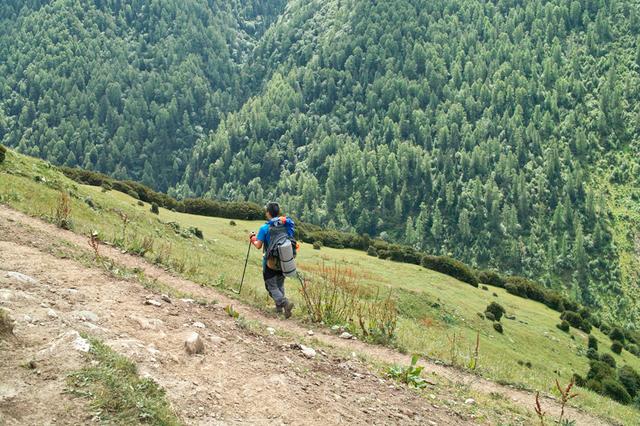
{"x": 437, "y": 315}
{"x": 496, "y": 132}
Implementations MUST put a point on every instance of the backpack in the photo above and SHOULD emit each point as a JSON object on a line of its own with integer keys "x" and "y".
{"x": 281, "y": 251}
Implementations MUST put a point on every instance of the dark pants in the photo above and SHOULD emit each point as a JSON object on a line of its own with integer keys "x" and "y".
{"x": 274, "y": 283}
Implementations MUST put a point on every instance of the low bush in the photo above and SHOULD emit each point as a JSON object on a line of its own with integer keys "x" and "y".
{"x": 232, "y": 223}
{"x": 617, "y": 334}
{"x": 452, "y": 267}
{"x": 492, "y": 277}
{"x": 372, "y": 251}
{"x": 608, "y": 359}
{"x": 3, "y": 153}
{"x": 498, "y": 327}
{"x": 154, "y": 208}
{"x": 616, "y": 347}
{"x": 593, "y": 354}
{"x": 197, "y": 232}
{"x": 633, "y": 349}
{"x": 317, "y": 245}
{"x": 576, "y": 321}
{"x": 616, "y": 391}
{"x": 141, "y": 203}
{"x": 600, "y": 370}
{"x": 564, "y": 326}
{"x": 485, "y": 288}
{"x": 630, "y": 379}
{"x": 496, "y": 309}
{"x": 593, "y": 342}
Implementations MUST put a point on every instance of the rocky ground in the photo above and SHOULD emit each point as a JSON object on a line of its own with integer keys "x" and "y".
{"x": 214, "y": 368}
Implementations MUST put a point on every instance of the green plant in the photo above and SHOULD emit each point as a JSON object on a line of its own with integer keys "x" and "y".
{"x": 617, "y": 334}
{"x": 232, "y": 223}
{"x": 473, "y": 362}
{"x": 498, "y": 327}
{"x": 3, "y": 153}
{"x": 630, "y": 379}
{"x": 608, "y": 359}
{"x": 616, "y": 391}
{"x": 317, "y": 245}
{"x": 62, "y": 213}
{"x": 154, "y": 208}
{"x": 492, "y": 277}
{"x": 592, "y": 342}
{"x": 496, "y": 309}
{"x": 410, "y": 375}
{"x": 117, "y": 392}
{"x": 592, "y": 354}
{"x": 372, "y": 251}
{"x": 616, "y": 347}
{"x": 229, "y": 309}
{"x": 451, "y": 267}
{"x": 564, "y": 326}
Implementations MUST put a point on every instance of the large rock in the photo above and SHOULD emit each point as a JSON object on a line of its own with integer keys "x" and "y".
{"x": 193, "y": 344}
{"x": 85, "y": 316}
{"x": 148, "y": 323}
{"x": 22, "y": 278}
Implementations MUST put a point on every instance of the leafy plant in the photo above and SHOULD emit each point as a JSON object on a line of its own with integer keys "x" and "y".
{"x": 565, "y": 396}
{"x": 539, "y": 411}
{"x": 62, "y": 213}
{"x": 230, "y": 310}
{"x": 410, "y": 375}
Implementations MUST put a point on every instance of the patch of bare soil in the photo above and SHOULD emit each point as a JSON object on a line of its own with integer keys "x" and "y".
{"x": 242, "y": 378}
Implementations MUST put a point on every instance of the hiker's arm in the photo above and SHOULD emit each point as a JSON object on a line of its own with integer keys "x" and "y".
{"x": 255, "y": 241}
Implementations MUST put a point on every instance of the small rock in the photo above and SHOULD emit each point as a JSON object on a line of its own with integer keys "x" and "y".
{"x": 153, "y": 302}
{"x": 470, "y": 401}
{"x": 217, "y": 339}
{"x": 193, "y": 344}
{"x": 148, "y": 324}
{"x": 271, "y": 330}
{"x": 81, "y": 344}
{"x": 335, "y": 328}
{"x": 310, "y": 333}
{"x": 25, "y": 279}
{"x": 187, "y": 300}
{"x": 51, "y": 313}
{"x": 85, "y": 316}
{"x": 166, "y": 298}
{"x": 346, "y": 335}
{"x": 198, "y": 324}
{"x": 308, "y": 352}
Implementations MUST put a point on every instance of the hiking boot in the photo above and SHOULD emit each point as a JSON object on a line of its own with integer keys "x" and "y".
{"x": 288, "y": 307}
{"x": 279, "y": 309}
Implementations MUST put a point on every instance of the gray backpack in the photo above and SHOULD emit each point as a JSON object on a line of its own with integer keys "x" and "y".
{"x": 281, "y": 251}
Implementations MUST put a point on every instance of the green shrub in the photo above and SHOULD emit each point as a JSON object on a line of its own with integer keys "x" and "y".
{"x": 496, "y": 309}
{"x": 608, "y": 359}
{"x": 633, "y": 349}
{"x": 599, "y": 370}
{"x": 140, "y": 203}
{"x": 617, "y": 334}
{"x": 154, "y": 208}
{"x": 579, "y": 380}
{"x": 451, "y": 267}
{"x": 485, "y": 288}
{"x": 616, "y": 347}
{"x": 498, "y": 327}
{"x": 576, "y": 321}
{"x": 593, "y": 354}
{"x": 232, "y": 223}
{"x": 630, "y": 379}
{"x": 133, "y": 194}
{"x": 605, "y": 328}
{"x": 197, "y": 232}
{"x": 317, "y": 245}
{"x": 492, "y": 277}
{"x": 3, "y": 153}
{"x": 616, "y": 391}
{"x": 372, "y": 251}
{"x": 564, "y": 326}
{"x": 593, "y": 342}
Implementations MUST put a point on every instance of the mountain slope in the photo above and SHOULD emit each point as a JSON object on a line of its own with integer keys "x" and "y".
{"x": 122, "y": 88}
{"x": 460, "y": 126}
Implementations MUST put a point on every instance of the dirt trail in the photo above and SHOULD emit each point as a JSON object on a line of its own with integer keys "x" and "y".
{"x": 242, "y": 378}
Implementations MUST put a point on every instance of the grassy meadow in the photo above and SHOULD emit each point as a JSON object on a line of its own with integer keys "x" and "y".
{"x": 438, "y": 314}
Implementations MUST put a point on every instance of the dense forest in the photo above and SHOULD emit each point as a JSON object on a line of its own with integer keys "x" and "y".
{"x": 490, "y": 131}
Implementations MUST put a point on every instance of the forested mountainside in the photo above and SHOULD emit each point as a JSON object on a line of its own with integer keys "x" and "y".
{"x": 124, "y": 87}
{"x": 503, "y": 133}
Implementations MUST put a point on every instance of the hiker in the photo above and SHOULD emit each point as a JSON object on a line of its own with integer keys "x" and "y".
{"x": 277, "y": 231}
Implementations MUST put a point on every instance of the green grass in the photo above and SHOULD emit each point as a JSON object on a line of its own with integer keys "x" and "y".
{"x": 116, "y": 391}
{"x": 433, "y": 307}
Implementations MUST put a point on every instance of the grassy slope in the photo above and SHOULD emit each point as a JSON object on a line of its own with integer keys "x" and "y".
{"x": 434, "y": 306}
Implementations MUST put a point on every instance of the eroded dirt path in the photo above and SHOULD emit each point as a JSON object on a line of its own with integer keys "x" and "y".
{"x": 243, "y": 377}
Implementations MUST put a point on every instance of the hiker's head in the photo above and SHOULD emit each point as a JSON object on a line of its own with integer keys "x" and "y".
{"x": 273, "y": 210}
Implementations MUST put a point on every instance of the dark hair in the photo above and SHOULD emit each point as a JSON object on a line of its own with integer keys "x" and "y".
{"x": 273, "y": 209}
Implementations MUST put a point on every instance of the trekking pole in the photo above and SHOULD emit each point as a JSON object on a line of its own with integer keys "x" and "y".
{"x": 244, "y": 270}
